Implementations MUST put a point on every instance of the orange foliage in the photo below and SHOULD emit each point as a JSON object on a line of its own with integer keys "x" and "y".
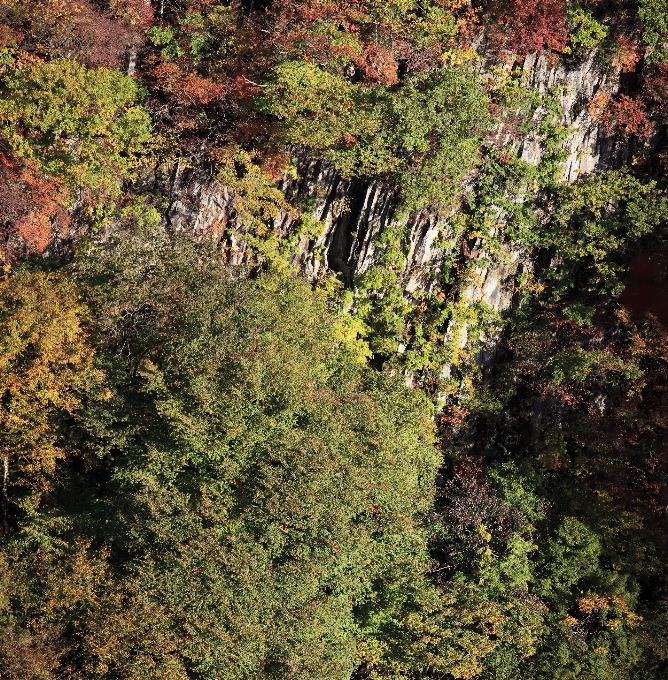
{"x": 628, "y": 55}
{"x": 35, "y": 230}
{"x": 597, "y": 105}
{"x": 187, "y": 88}
{"x": 48, "y": 200}
{"x": 379, "y": 65}
{"x": 194, "y": 89}
{"x": 31, "y": 204}
{"x": 8, "y": 36}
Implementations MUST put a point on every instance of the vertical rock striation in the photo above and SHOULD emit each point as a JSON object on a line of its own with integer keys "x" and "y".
{"x": 352, "y": 213}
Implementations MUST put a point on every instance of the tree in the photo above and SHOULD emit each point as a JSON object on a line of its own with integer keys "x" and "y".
{"x": 81, "y": 126}
{"x": 524, "y": 26}
{"x": 33, "y": 207}
{"x": 422, "y": 136}
{"x": 264, "y": 490}
{"x": 46, "y": 364}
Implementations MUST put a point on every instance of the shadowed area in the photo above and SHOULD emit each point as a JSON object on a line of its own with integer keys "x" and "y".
{"x": 647, "y": 291}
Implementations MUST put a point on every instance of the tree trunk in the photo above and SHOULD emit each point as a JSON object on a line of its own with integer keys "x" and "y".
{"x": 132, "y": 59}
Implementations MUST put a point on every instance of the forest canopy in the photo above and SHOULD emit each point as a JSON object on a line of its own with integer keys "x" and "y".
{"x": 333, "y": 340}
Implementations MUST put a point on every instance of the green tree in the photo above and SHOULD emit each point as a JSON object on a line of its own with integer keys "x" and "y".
{"x": 265, "y": 489}
{"x": 423, "y": 135}
{"x": 81, "y": 125}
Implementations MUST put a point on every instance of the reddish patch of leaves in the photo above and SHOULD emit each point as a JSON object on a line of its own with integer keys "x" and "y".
{"x": 524, "y": 26}
{"x": 30, "y": 205}
{"x": 452, "y": 420}
{"x": 630, "y": 115}
{"x": 241, "y": 88}
{"x": 187, "y": 88}
{"x": 275, "y": 164}
{"x": 623, "y": 113}
{"x": 628, "y": 55}
{"x": 379, "y": 65}
{"x": 9, "y": 37}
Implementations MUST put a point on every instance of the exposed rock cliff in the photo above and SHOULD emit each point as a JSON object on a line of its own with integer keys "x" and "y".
{"x": 353, "y": 213}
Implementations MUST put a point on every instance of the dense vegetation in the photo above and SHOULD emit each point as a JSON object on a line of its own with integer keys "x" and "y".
{"x": 216, "y": 468}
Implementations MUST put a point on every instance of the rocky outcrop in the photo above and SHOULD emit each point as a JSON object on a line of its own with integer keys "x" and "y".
{"x": 352, "y": 213}
{"x": 591, "y": 147}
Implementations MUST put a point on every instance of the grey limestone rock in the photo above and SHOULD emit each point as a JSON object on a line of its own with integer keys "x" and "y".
{"x": 352, "y": 212}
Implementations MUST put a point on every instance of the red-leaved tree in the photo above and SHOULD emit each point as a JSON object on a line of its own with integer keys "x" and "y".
{"x": 524, "y": 26}
{"x": 31, "y": 205}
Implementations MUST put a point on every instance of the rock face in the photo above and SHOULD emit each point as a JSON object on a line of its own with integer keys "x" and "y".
{"x": 590, "y": 146}
{"x": 353, "y": 213}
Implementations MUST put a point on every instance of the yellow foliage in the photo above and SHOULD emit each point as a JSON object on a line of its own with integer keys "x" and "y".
{"x": 46, "y": 363}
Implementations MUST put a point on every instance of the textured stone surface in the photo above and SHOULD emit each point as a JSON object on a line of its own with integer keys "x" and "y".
{"x": 591, "y": 147}
{"x": 352, "y": 212}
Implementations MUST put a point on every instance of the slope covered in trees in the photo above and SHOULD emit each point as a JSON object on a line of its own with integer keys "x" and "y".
{"x": 220, "y": 462}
